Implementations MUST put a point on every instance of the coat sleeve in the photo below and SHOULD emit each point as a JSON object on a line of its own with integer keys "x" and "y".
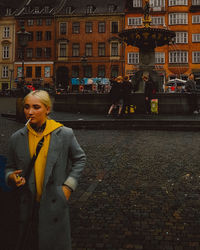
{"x": 78, "y": 159}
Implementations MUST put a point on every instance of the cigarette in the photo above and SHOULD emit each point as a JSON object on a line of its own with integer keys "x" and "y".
{"x": 28, "y": 122}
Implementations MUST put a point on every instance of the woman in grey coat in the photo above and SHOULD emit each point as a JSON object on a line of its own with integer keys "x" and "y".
{"x": 43, "y": 185}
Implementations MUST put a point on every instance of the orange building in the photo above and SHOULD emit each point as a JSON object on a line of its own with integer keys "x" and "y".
{"x": 179, "y": 58}
{"x": 87, "y": 42}
{"x": 39, "y": 54}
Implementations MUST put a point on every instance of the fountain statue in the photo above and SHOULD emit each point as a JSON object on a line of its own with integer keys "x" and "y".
{"x": 147, "y": 39}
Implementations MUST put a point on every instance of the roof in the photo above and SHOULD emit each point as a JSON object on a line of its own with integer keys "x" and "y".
{"x": 97, "y": 6}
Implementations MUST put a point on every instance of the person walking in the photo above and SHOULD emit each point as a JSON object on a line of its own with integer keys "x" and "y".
{"x": 148, "y": 93}
{"x": 44, "y": 164}
{"x": 127, "y": 88}
{"x": 190, "y": 88}
{"x": 116, "y": 95}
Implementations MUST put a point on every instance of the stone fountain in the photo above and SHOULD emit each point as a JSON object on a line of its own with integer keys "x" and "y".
{"x": 147, "y": 39}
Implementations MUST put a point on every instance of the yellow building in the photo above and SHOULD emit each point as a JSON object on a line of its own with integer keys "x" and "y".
{"x": 7, "y": 51}
{"x": 179, "y": 58}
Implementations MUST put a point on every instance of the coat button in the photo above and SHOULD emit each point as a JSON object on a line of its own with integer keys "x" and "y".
{"x": 54, "y": 200}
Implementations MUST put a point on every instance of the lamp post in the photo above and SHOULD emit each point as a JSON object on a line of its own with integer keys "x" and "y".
{"x": 23, "y": 36}
{"x": 11, "y": 77}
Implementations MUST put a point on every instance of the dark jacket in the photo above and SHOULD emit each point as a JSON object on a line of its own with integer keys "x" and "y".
{"x": 190, "y": 86}
{"x": 116, "y": 92}
{"x": 149, "y": 89}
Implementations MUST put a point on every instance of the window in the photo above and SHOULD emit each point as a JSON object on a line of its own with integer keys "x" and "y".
{"x": 5, "y": 52}
{"x": 114, "y": 71}
{"x": 196, "y": 38}
{"x": 19, "y": 53}
{"x": 88, "y": 27}
{"x": 157, "y": 3}
{"x": 88, "y": 49}
{"x": 63, "y": 49}
{"x": 8, "y": 11}
{"x": 196, "y": 19}
{"x": 37, "y": 71}
{"x": 19, "y": 71}
{"x": 76, "y": 28}
{"x": 38, "y": 52}
{"x": 37, "y": 10}
{"x": 29, "y": 52}
{"x": 114, "y": 49}
{"x": 178, "y": 57}
{"x": 47, "y": 52}
{"x": 30, "y": 37}
{"x": 68, "y": 10}
{"x": 75, "y": 71}
{"x": 101, "y": 49}
{"x": 28, "y": 71}
{"x": 46, "y": 9}
{"x": 48, "y": 21}
{"x": 158, "y": 20}
{"x": 6, "y": 32}
{"x": 90, "y": 9}
{"x": 159, "y": 57}
{"x": 88, "y": 71}
{"x": 111, "y": 8}
{"x": 114, "y": 27}
{"x": 47, "y": 71}
{"x": 101, "y": 71}
{"x": 5, "y": 72}
{"x": 102, "y": 27}
{"x": 181, "y": 37}
{"x": 178, "y": 2}
{"x": 47, "y": 35}
{"x": 196, "y": 57}
{"x": 39, "y": 22}
{"x": 135, "y": 21}
{"x": 63, "y": 28}
{"x": 30, "y": 22}
{"x": 38, "y": 35}
{"x": 137, "y": 3}
{"x": 75, "y": 49}
{"x": 178, "y": 18}
{"x": 133, "y": 58}
{"x": 195, "y": 2}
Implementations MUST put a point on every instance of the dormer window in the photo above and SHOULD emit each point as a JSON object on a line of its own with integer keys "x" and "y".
{"x": 37, "y": 10}
{"x": 46, "y": 9}
{"x": 8, "y": 12}
{"x": 68, "y": 10}
{"x": 137, "y": 3}
{"x": 111, "y": 8}
{"x": 90, "y": 9}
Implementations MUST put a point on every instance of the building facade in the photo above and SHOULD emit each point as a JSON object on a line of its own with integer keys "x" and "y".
{"x": 87, "y": 42}
{"x": 7, "y": 49}
{"x": 182, "y": 56}
{"x": 39, "y": 55}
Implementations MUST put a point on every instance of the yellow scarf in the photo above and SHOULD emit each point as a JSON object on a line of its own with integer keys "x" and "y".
{"x": 40, "y": 163}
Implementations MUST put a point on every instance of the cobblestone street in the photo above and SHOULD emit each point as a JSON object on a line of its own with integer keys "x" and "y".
{"x": 140, "y": 190}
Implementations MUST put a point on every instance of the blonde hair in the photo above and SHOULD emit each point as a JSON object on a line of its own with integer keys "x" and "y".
{"x": 42, "y": 95}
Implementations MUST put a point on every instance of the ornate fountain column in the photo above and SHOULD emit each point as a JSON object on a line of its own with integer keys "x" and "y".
{"x": 147, "y": 39}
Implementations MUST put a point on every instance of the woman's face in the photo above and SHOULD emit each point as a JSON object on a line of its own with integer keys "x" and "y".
{"x": 35, "y": 110}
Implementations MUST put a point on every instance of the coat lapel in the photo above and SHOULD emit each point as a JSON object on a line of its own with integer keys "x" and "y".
{"x": 55, "y": 147}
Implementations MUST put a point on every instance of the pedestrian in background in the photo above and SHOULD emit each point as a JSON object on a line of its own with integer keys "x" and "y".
{"x": 127, "y": 89}
{"x": 44, "y": 164}
{"x": 190, "y": 88}
{"x": 116, "y": 95}
{"x": 148, "y": 93}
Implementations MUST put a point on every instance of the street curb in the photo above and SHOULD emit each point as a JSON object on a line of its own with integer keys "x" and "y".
{"x": 130, "y": 124}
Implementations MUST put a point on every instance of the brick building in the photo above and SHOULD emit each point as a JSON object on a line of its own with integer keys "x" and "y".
{"x": 87, "y": 42}
{"x": 179, "y": 58}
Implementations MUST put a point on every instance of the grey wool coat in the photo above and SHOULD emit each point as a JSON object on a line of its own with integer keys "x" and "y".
{"x": 65, "y": 162}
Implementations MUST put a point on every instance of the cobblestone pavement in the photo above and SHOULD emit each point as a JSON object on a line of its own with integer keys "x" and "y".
{"x": 140, "y": 190}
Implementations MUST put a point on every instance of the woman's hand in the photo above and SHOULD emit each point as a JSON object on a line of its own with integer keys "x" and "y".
{"x": 16, "y": 179}
{"x": 66, "y": 191}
